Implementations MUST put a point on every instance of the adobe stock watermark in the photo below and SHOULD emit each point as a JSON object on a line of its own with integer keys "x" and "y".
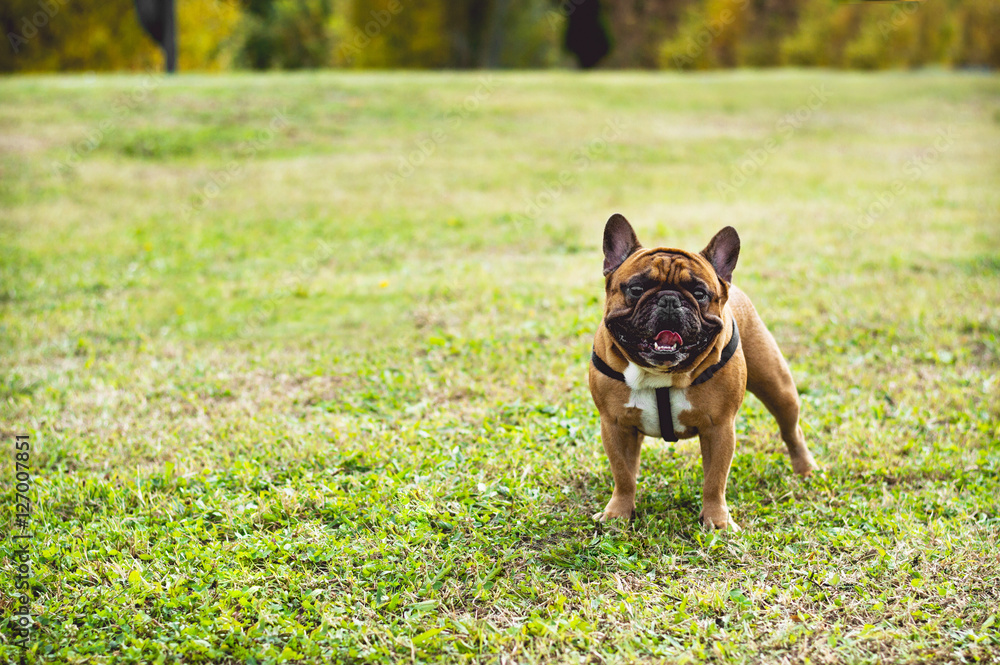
{"x": 123, "y": 105}
{"x": 913, "y": 170}
{"x": 901, "y": 13}
{"x": 427, "y": 144}
{"x": 245, "y": 151}
{"x": 754, "y": 159}
{"x": 696, "y": 44}
{"x": 581, "y": 158}
{"x": 31, "y": 25}
{"x": 361, "y": 37}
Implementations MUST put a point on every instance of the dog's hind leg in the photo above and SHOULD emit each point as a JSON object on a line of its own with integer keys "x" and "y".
{"x": 769, "y": 378}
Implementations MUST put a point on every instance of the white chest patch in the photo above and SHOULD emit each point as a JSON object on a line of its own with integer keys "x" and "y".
{"x": 643, "y": 387}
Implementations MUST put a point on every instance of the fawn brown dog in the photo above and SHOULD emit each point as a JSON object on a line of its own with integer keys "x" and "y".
{"x": 677, "y": 349}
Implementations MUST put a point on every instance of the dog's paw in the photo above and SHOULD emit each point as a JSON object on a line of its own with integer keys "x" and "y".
{"x": 719, "y": 520}
{"x": 616, "y": 510}
{"x": 804, "y": 465}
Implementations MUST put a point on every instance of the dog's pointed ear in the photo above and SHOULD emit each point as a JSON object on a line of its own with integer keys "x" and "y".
{"x": 619, "y": 243}
{"x": 722, "y": 251}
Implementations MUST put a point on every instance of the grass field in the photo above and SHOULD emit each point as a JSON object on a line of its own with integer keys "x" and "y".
{"x": 302, "y": 360}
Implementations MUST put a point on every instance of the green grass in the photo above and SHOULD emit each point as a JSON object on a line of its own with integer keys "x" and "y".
{"x": 333, "y": 411}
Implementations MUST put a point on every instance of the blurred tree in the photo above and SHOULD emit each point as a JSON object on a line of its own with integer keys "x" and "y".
{"x": 458, "y": 34}
{"x": 106, "y": 35}
{"x": 767, "y": 21}
{"x": 287, "y": 34}
{"x": 820, "y": 36}
{"x": 708, "y": 36}
{"x": 49, "y": 35}
{"x": 204, "y": 29}
{"x": 395, "y": 34}
{"x": 520, "y": 35}
{"x": 638, "y": 29}
{"x": 978, "y": 43}
{"x": 687, "y": 34}
{"x": 876, "y": 36}
{"x": 254, "y": 42}
{"x": 469, "y": 25}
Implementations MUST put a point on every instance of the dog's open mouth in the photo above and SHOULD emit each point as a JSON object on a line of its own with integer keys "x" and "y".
{"x": 667, "y": 341}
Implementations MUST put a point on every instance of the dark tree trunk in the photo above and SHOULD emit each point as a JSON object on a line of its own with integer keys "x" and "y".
{"x": 159, "y": 20}
{"x": 586, "y": 37}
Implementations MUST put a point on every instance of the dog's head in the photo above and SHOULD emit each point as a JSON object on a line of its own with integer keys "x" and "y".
{"x": 664, "y": 306}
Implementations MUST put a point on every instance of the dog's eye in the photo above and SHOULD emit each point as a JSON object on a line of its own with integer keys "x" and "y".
{"x": 635, "y": 292}
{"x": 701, "y": 295}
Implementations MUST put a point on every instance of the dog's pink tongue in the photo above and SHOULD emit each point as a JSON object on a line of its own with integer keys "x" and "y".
{"x": 669, "y": 338}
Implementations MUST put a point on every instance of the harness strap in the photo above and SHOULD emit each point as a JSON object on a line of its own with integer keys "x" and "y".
{"x": 666, "y": 415}
{"x": 605, "y": 368}
{"x": 727, "y": 353}
{"x": 663, "y": 394}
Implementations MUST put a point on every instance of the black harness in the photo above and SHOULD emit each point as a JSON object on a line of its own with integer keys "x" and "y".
{"x": 663, "y": 394}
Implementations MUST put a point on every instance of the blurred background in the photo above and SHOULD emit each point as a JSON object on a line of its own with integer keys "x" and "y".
{"x": 650, "y": 34}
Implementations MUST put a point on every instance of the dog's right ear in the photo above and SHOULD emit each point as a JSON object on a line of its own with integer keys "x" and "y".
{"x": 619, "y": 243}
{"x": 722, "y": 252}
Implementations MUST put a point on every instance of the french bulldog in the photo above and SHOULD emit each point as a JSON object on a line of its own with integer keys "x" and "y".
{"x": 677, "y": 349}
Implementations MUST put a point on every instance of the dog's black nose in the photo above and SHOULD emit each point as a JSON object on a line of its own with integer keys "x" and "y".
{"x": 669, "y": 301}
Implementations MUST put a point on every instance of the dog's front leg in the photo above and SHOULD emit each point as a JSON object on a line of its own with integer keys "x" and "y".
{"x": 717, "y": 446}
{"x": 622, "y": 445}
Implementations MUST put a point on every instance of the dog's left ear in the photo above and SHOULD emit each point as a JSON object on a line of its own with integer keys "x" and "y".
{"x": 619, "y": 243}
{"x": 722, "y": 252}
